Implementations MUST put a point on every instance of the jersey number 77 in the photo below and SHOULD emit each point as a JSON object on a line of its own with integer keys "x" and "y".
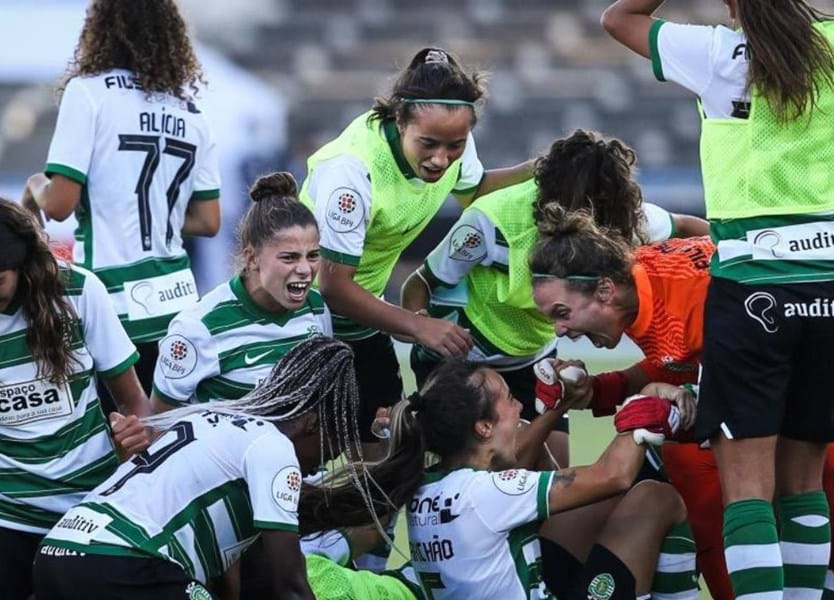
{"x": 150, "y": 144}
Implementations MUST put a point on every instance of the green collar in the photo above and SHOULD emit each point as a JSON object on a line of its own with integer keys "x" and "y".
{"x": 392, "y": 136}
{"x": 239, "y": 290}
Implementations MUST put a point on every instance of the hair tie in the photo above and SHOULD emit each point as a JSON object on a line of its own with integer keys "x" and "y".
{"x": 416, "y": 402}
{"x": 436, "y": 56}
{"x": 447, "y": 101}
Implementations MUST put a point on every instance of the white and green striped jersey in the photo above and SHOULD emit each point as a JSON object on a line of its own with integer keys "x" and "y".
{"x": 474, "y": 534}
{"x": 54, "y": 441}
{"x": 140, "y": 160}
{"x": 224, "y": 345}
{"x": 713, "y": 63}
{"x": 199, "y": 496}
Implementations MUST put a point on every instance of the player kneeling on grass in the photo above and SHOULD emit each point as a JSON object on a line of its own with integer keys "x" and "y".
{"x": 180, "y": 515}
{"x": 473, "y": 518}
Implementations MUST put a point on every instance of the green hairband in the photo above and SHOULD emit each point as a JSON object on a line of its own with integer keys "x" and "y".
{"x": 449, "y": 101}
{"x": 568, "y": 277}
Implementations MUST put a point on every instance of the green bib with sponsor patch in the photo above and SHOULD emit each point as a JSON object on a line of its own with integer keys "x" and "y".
{"x": 501, "y": 300}
{"x": 759, "y": 166}
{"x": 400, "y": 209}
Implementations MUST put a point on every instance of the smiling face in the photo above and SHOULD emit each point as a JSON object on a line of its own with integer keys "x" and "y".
{"x": 434, "y": 138}
{"x": 8, "y": 287}
{"x": 576, "y": 313}
{"x": 503, "y": 433}
{"x": 281, "y": 271}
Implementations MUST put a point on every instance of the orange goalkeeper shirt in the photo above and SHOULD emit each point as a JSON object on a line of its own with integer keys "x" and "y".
{"x": 672, "y": 279}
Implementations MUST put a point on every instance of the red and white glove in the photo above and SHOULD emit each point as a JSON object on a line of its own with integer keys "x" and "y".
{"x": 651, "y": 419}
{"x": 550, "y": 384}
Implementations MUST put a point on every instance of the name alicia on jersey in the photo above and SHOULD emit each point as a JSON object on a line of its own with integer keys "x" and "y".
{"x": 162, "y": 122}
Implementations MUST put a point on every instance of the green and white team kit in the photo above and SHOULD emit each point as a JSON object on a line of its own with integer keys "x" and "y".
{"x": 486, "y": 285}
{"x": 474, "y": 534}
{"x": 772, "y": 215}
{"x": 55, "y": 445}
{"x": 223, "y": 346}
{"x": 198, "y": 497}
{"x": 140, "y": 162}
{"x": 370, "y": 205}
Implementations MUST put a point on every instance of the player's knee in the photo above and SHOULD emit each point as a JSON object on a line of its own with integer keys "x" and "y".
{"x": 661, "y": 499}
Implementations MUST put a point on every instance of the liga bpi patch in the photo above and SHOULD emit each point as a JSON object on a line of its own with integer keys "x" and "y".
{"x": 177, "y": 356}
{"x": 467, "y": 244}
{"x": 286, "y": 488}
{"x": 514, "y": 482}
{"x": 345, "y": 210}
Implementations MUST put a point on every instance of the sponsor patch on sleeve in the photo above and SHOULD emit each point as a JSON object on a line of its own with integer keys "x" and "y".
{"x": 286, "y": 488}
{"x": 514, "y": 482}
{"x": 467, "y": 244}
{"x": 345, "y": 210}
{"x": 177, "y": 356}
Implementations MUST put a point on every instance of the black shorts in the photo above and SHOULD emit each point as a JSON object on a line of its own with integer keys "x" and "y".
{"x": 378, "y": 376}
{"x": 62, "y": 576}
{"x": 522, "y": 384}
{"x": 768, "y": 361}
{"x": 17, "y": 551}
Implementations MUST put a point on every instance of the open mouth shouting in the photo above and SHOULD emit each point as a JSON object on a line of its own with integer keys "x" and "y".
{"x": 297, "y": 290}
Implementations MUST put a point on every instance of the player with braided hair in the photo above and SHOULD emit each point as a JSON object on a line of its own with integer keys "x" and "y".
{"x": 221, "y": 474}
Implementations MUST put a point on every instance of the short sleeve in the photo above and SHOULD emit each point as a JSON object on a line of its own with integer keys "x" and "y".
{"x": 470, "y": 242}
{"x": 341, "y": 192}
{"x": 187, "y": 356}
{"x": 207, "y": 170}
{"x": 683, "y": 54}
{"x": 73, "y": 140}
{"x": 106, "y": 340}
{"x": 508, "y": 499}
{"x": 660, "y": 223}
{"x": 471, "y": 169}
{"x": 273, "y": 478}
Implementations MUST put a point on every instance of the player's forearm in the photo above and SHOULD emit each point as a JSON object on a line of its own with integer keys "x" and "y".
{"x": 128, "y": 395}
{"x": 348, "y": 299}
{"x": 496, "y": 179}
{"x": 202, "y": 219}
{"x": 57, "y": 198}
{"x": 532, "y": 437}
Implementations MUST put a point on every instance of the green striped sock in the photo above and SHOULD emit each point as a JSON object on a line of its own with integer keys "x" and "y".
{"x": 751, "y": 548}
{"x": 828, "y": 590}
{"x": 676, "y": 577}
{"x": 806, "y": 542}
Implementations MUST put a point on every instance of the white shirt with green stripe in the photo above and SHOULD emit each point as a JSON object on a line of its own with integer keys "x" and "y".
{"x": 223, "y": 346}
{"x": 198, "y": 497}
{"x": 473, "y": 241}
{"x": 712, "y": 63}
{"x": 474, "y": 534}
{"x": 140, "y": 162}
{"x": 55, "y": 445}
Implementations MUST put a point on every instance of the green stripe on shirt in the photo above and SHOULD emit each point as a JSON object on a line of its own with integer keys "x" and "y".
{"x": 657, "y": 64}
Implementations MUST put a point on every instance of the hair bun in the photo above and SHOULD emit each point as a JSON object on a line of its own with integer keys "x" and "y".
{"x": 279, "y": 184}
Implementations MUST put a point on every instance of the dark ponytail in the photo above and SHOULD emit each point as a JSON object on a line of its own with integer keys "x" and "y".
{"x": 275, "y": 206}
{"x": 588, "y": 172}
{"x": 432, "y": 74}
{"x": 789, "y": 57}
{"x": 439, "y": 420}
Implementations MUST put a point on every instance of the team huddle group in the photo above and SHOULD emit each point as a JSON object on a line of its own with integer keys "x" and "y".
{"x": 256, "y": 442}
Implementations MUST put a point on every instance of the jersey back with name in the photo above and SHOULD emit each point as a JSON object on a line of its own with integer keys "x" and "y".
{"x": 473, "y": 534}
{"x": 140, "y": 160}
{"x": 197, "y": 497}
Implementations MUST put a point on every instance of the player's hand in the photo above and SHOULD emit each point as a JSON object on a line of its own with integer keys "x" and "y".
{"x": 651, "y": 419}
{"x": 552, "y": 380}
{"x": 579, "y": 387}
{"x": 28, "y": 202}
{"x": 444, "y": 337}
{"x": 129, "y": 435}
{"x": 680, "y": 396}
{"x": 381, "y": 427}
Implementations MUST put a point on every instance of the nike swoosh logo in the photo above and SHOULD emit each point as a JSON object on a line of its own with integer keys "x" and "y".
{"x": 251, "y": 360}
